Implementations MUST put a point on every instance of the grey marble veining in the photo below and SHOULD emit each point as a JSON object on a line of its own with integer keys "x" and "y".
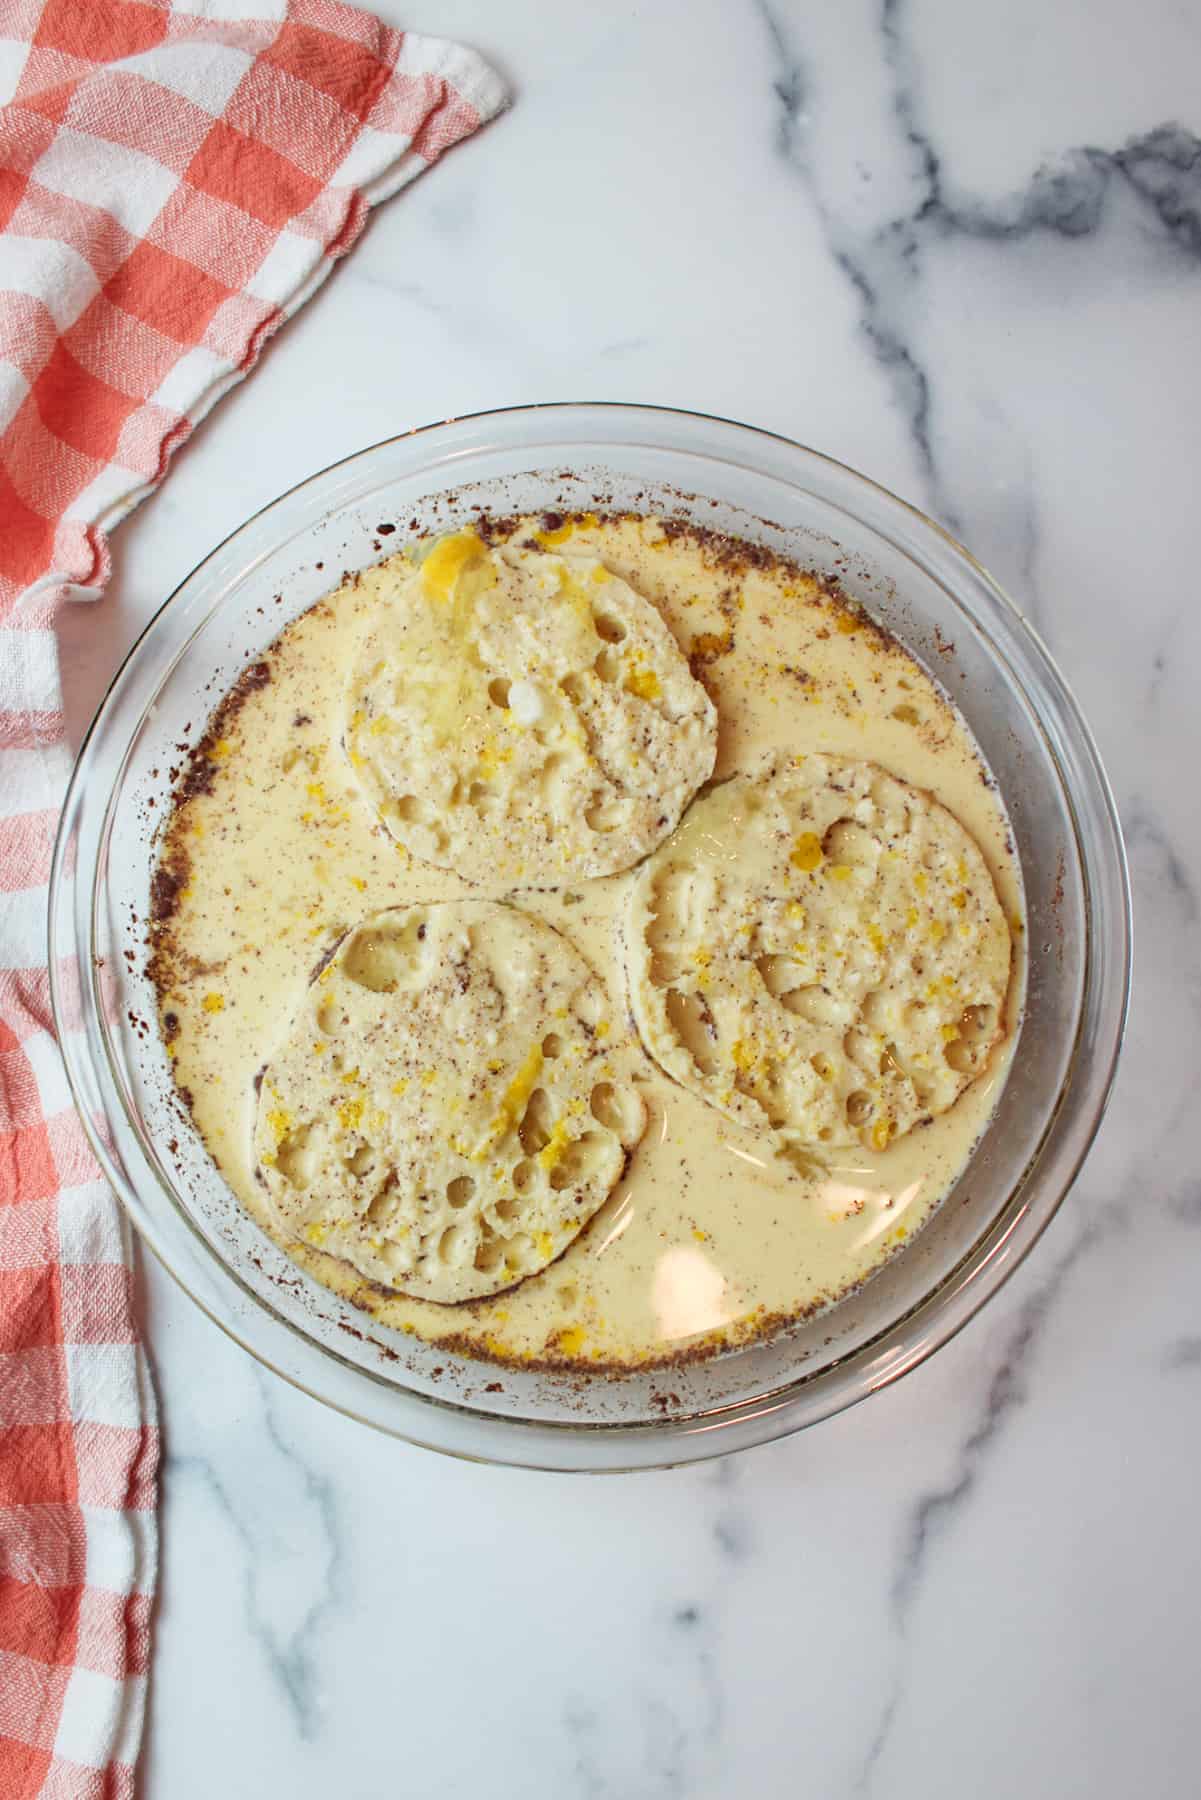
{"x": 960, "y": 248}
{"x": 934, "y": 1513}
{"x": 885, "y": 246}
{"x": 286, "y": 1540}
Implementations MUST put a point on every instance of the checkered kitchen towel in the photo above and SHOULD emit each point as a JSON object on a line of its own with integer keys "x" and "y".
{"x": 175, "y": 180}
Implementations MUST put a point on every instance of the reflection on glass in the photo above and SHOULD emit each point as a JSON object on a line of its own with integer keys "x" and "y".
{"x": 689, "y": 1294}
{"x": 745, "y": 1155}
{"x": 887, "y": 1218}
{"x": 622, "y": 1218}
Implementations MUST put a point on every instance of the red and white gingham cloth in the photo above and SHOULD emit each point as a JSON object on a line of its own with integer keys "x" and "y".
{"x": 175, "y": 180}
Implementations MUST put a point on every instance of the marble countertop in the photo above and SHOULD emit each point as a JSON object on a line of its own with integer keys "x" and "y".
{"x": 960, "y": 248}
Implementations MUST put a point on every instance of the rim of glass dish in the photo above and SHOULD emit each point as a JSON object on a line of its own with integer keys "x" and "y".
{"x": 985, "y": 1266}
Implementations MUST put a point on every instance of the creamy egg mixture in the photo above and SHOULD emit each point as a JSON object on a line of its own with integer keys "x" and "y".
{"x": 281, "y": 844}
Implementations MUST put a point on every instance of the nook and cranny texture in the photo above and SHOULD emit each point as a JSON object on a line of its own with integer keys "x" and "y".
{"x": 446, "y": 1111}
{"x": 523, "y": 717}
{"x": 820, "y": 953}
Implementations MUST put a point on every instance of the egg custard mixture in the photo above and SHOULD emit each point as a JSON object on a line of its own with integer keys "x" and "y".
{"x": 588, "y": 942}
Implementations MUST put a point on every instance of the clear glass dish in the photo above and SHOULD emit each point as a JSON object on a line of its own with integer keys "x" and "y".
{"x": 918, "y": 582}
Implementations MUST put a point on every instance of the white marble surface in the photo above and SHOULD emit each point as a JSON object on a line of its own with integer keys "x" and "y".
{"x": 959, "y": 247}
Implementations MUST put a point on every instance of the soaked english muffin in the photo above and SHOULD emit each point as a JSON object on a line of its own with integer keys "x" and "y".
{"x": 820, "y": 953}
{"x": 523, "y": 717}
{"x": 446, "y": 1113}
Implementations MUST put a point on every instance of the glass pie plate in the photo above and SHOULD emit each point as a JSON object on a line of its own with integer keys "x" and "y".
{"x": 919, "y": 583}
